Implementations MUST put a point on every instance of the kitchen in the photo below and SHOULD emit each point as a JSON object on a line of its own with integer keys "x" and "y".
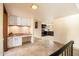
{"x": 25, "y": 30}
{"x": 19, "y": 30}
{"x": 19, "y": 25}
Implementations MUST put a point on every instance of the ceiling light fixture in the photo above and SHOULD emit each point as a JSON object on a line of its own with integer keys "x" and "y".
{"x": 34, "y": 7}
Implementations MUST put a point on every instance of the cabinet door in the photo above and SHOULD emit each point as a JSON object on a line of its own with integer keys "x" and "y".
{"x": 12, "y": 20}
{"x": 27, "y": 22}
{"x": 10, "y": 42}
{"x": 17, "y": 41}
{"x": 24, "y": 22}
{"x": 19, "y": 21}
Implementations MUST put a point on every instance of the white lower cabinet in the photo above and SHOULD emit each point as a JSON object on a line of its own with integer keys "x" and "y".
{"x": 10, "y": 44}
{"x": 14, "y": 41}
{"x": 17, "y": 41}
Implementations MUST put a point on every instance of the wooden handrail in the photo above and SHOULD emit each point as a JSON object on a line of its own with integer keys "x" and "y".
{"x": 68, "y": 49}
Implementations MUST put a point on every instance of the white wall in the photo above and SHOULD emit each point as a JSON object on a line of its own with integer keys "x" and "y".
{"x": 73, "y": 29}
{"x": 66, "y": 29}
{"x": 1, "y": 29}
{"x": 60, "y": 31}
{"x": 36, "y": 31}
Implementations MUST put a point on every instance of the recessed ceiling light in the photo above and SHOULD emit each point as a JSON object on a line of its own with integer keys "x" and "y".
{"x": 34, "y": 7}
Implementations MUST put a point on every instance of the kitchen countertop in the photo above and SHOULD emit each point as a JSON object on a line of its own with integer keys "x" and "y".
{"x": 19, "y": 34}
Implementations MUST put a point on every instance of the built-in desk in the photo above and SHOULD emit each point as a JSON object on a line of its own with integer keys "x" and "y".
{"x": 26, "y": 39}
{"x": 18, "y": 40}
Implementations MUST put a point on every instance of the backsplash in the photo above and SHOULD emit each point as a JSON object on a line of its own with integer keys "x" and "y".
{"x": 17, "y": 29}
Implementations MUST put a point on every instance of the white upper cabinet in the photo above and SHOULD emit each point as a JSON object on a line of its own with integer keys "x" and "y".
{"x": 13, "y": 20}
{"x": 19, "y": 20}
{"x": 24, "y": 21}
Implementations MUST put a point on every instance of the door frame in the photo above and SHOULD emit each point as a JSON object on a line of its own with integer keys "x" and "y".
{"x": 5, "y": 28}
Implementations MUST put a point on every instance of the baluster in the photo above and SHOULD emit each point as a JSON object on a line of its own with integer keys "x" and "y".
{"x": 62, "y": 53}
{"x": 72, "y": 50}
{"x": 67, "y": 51}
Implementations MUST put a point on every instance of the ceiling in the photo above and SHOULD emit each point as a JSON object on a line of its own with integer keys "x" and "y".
{"x": 45, "y": 12}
